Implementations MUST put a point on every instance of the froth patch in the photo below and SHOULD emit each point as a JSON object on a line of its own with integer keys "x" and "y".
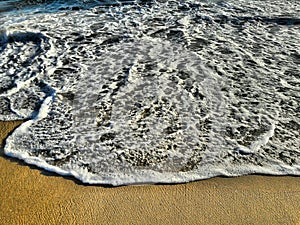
{"x": 146, "y": 104}
{"x": 22, "y": 61}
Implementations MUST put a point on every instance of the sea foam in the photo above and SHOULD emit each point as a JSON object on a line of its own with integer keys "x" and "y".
{"x": 153, "y": 92}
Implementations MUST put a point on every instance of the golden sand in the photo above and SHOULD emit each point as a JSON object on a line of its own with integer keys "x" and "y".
{"x": 32, "y": 196}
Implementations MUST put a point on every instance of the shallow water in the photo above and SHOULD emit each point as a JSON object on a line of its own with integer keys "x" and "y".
{"x": 152, "y": 91}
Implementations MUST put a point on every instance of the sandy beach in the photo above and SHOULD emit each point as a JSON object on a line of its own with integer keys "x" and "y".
{"x": 33, "y": 196}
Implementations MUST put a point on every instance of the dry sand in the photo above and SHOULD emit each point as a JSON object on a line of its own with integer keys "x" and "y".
{"x": 32, "y": 196}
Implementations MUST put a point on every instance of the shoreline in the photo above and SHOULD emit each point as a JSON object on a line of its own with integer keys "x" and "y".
{"x": 30, "y": 195}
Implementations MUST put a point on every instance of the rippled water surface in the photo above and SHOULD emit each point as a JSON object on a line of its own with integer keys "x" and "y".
{"x": 123, "y": 92}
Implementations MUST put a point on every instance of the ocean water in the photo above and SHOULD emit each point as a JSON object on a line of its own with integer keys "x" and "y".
{"x": 133, "y": 92}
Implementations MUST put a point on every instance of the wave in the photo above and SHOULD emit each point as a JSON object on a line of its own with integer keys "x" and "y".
{"x": 153, "y": 91}
{"x": 41, "y": 6}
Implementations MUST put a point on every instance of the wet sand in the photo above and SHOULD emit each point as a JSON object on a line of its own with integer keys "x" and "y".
{"x": 32, "y": 196}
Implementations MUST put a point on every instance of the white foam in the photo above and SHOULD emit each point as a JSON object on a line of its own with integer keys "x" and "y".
{"x": 263, "y": 139}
